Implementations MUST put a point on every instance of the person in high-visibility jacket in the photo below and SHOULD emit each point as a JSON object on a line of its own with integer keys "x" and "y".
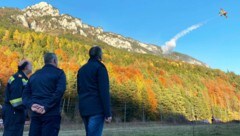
{"x": 14, "y": 112}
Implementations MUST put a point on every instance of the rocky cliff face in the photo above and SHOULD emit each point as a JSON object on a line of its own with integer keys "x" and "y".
{"x": 43, "y": 17}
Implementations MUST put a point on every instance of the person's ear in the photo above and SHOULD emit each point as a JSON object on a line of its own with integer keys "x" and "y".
{"x": 55, "y": 61}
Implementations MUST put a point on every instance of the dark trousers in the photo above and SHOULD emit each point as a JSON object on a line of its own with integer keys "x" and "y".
{"x": 13, "y": 121}
{"x": 93, "y": 125}
{"x": 45, "y": 125}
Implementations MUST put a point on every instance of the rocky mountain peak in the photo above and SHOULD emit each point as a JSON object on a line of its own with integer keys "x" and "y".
{"x": 41, "y": 9}
{"x": 43, "y": 17}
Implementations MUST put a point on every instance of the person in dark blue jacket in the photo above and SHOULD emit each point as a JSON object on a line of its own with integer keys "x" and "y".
{"x": 43, "y": 95}
{"x": 93, "y": 92}
{"x": 14, "y": 112}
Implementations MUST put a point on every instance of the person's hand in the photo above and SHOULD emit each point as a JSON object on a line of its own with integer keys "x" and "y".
{"x": 38, "y": 108}
{"x": 108, "y": 119}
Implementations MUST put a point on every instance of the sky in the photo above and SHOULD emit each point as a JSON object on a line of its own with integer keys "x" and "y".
{"x": 216, "y": 42}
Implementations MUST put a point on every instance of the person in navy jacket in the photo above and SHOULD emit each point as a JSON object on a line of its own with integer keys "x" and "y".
{"x": 43, "y": 95}
{"x": 93, "y": 92}
{"x": 14, "y": 112}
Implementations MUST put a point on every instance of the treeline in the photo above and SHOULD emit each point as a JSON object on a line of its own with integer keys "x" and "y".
{"x": 157, "y": 85}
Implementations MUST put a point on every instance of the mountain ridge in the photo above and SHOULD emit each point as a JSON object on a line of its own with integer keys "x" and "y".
{"x": 43, "y": 17}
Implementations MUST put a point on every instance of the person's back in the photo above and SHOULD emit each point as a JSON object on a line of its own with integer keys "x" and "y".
{"x": 43, "y": 86}
{"x": 43, "y": 95}
{"x": 89, "y": 95}
{"x": 93, "y": 92}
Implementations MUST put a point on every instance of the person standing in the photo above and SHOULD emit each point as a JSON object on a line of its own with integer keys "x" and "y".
{"x": 14, "y": 112}
{"x": 43, "y": 95}
{"x": 93, "y": 92}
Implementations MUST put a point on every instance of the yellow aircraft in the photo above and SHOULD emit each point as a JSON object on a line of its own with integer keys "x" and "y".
{"x": 223, "y": 13}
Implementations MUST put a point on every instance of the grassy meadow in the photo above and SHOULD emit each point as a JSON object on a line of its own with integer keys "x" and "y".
{"x": 154, "y": 129}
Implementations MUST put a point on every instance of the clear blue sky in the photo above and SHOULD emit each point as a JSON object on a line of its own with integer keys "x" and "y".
{"x": 217, "y": 43}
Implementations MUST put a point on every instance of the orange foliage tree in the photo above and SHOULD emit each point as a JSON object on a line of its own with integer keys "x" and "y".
{"x": 9, "y": 61}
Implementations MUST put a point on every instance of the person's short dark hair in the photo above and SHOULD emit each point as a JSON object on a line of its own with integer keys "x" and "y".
{"x": 48, "y": 57}
{"x": 95, "y": 52}
{"x": 23, "y": 66}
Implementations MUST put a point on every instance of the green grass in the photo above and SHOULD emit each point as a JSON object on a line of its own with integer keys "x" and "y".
{"x": 154, "y": 129}
{"x": 176, "y": 130}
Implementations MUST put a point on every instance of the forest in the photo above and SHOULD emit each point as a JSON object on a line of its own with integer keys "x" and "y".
{"x": 164, "y": 89}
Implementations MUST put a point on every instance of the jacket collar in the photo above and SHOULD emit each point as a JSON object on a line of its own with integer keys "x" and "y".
{"x": 22, "y": 74}
{"x": 93, "y": 59}
{"x": 48, "y": 65}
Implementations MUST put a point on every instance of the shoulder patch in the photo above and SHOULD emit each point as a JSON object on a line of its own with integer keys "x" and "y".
{"x": 11, "y": 79}
{"x": 24, "y": 81}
